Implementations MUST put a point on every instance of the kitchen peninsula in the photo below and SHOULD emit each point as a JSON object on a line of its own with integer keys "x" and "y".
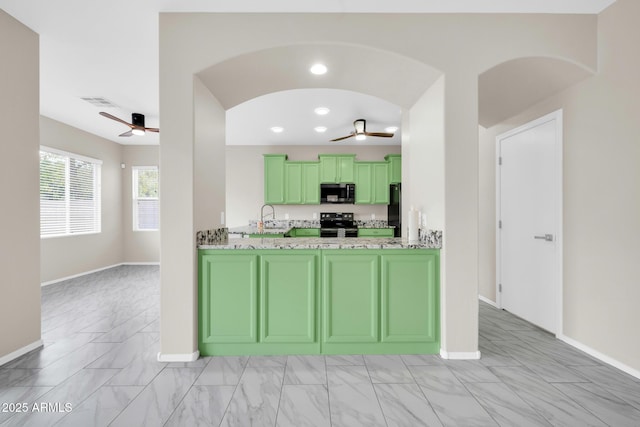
{"x": 319, "y": 296}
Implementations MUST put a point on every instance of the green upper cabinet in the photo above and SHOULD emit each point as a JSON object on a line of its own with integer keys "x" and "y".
{"x": 337, "y": 168}
{"x": 302, "y": 186}
{"x": 395, "y": 168}
{"x": 293, "y": 183}
{"x": 372, "y": 183}
{"x": 274, "y": 189}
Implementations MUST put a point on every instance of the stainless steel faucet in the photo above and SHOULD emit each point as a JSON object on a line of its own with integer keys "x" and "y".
{"x": 273, "y": 213}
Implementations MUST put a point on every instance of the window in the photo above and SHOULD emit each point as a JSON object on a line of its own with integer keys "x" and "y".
{"x": 69, "y": 194}
{"x": 146, "y": 206}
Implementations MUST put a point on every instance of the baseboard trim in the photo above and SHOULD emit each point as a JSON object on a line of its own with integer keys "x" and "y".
{"x": 177, "y": 357}
{"x": 600, "y": 356}
{"x": 62, "y": 279}
{"x": 19, "y": 352}
{"x": 488, "y": 301}
{"x": 460, "y": 355}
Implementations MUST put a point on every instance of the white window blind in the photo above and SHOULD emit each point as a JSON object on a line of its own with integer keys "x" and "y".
{"x": 146, "y": 205}
{"x": 69, "y": 193}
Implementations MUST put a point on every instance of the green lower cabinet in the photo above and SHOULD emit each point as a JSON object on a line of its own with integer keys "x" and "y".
{"x": 409, "y": 299}
{"x": 375, "y": 232}
{"x": 341, "y": 301}
{"x": 266, "y": 235}
{"x": 350, "y": 295}
{"x": 228, "y": 298}
{"x": 288, "y": 298}
{"x": 305, "y": 232}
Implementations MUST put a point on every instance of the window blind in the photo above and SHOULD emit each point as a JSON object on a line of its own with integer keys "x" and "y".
{"x": 69, "y": 194}
{"x": 146, "y": 205}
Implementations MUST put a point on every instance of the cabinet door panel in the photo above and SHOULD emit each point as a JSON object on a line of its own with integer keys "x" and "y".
{"x": 345, "y": 169}
{"x": 293, "y": 183}
{"x": 274, "y": 178}
{"x": 311, "y": 179}
{"x": 350, "y": 284}
{"x": 288, "y": 298}
{"x": 409, "y": 298}
{"x": 363, "y": 183}
{"x": 228, "y": 298}
{"x": 328, "y": 169}
{"x": 380, "y": 190}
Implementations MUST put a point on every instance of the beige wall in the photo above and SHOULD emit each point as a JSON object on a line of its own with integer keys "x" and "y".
{"x": 461, "y": 46}
{"x": 601, "y": 191}
{"x": 19, "y": 215}
{"x": 245, "y": 181}
{"x": 71, "y": 255}
{"x": 138, "y": 246}
{"x": 487, "y": 212}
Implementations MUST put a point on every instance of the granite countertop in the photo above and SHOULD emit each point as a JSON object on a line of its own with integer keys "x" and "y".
{"x": 325, "y": 243}
{"x": 253, "y": 229}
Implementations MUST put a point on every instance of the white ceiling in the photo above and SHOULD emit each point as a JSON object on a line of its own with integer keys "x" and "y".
{"x": 110, "y": 49}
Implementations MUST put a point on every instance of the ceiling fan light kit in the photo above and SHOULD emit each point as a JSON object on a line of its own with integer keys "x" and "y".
{"x": 136, "y": 126}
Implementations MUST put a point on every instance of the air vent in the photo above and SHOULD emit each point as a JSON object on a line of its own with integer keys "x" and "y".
{"x": 98, "y": 101}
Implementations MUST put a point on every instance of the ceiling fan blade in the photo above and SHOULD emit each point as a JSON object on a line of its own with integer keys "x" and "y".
{"x": 381, "y": 134}
{"x": 341, "y": 138}
{"x": 109, "y": 116}
{"x": 152, "y": 129}
{"x": 127, "y": 133}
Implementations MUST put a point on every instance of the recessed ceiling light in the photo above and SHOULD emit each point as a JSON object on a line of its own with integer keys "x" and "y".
{"x": 391, "y": 129}
{"x": 322, "y": 111}
{"x": 320, "y": 129}
{"x": 277, "y": 129}
{"x": 318, "y": 69}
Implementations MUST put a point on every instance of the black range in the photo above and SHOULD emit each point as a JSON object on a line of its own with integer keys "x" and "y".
{"x": 337, "y": 224}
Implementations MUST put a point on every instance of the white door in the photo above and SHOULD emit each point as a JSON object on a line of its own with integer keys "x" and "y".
{"x": 529, "y": 213}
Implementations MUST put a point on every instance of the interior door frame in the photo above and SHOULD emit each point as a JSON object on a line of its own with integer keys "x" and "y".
{"x": 558, "y": 214}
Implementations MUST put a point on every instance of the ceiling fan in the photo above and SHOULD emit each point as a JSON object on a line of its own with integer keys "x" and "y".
{"x": 136, "y": 125}
{"x": 360, "y": 132}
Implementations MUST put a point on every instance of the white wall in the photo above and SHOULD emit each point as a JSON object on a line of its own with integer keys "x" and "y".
{"x": 461, "y": 46}
{"x": 70, "y": 255}
{"x": 245, "y": 181}
{"x": 601, "y": 191}
{"x": 19, "y": 215}
{"x": 487, "y": 213}
{"x": 138, "y": 246}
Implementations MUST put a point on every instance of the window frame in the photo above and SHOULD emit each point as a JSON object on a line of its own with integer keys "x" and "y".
{"x": 135, "y": 198}
{"x": 97, "y": 192}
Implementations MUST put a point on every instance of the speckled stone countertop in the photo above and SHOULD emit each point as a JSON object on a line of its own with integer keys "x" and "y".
{"x": 253, "y": 229}
{"x": 284, "y": 226}
{"x": 324, "y": 243}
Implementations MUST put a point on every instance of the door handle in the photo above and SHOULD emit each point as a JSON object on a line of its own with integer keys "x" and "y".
{"x": 546, "y": 237}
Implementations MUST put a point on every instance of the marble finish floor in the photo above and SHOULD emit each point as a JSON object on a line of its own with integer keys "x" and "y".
{"x": 101, "y": 336}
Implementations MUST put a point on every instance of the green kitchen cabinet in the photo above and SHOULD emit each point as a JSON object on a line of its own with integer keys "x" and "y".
{"x": 266, "y": 235}
{"x": 395, "y": 168}
{"x": 409, "y": 298}
{"x": 380, "y": 183}
{"x": 274, "y": 178}
{"x": 288, "y": 297}
{"x": 302, "y": 185}
{"x": 311, "y": 183}
{"x": 228, "y": 298}
{"x": 375, "y": 232}
{"x": 305, "y": 232}
{"x": 337, "y": 168}
{"x": 350, "y": 286}
{"x": 293, "y": 183}
{"x": 372, "y": 183}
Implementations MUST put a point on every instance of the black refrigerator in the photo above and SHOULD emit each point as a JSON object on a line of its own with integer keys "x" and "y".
{"x": 394, "y": 210}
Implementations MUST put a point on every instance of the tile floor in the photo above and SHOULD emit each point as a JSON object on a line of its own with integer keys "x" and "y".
{"x": 101, "y": 336}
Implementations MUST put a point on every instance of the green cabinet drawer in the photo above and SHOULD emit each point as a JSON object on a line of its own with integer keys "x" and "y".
{"x": 306, "y": 232}
{"x": 375, "y": 232}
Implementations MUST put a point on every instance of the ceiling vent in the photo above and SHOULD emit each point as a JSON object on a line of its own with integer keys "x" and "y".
{"x": 98, "y": 101}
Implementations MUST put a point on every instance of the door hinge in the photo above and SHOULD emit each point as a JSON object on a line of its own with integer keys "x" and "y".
{"x": 500, "y": 224}
{"x": 500, "y": 287}
{"x": 500, "y": 160}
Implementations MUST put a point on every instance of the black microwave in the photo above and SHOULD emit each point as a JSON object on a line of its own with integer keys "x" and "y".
{"x": 337, "y": 193}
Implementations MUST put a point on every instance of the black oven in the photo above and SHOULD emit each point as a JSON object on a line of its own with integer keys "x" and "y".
{"x": 337, "y": 193}
{"x": 337, "y": 224}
